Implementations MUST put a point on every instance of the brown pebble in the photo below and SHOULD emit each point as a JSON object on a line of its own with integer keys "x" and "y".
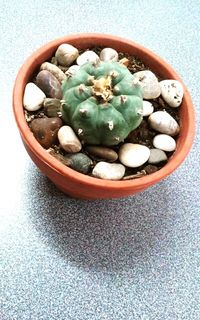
{"x": 102, "y": 153}
{"x": 48, "y": 83}
{"x": 45, "y": 130}
{"x": 150, "y": 169}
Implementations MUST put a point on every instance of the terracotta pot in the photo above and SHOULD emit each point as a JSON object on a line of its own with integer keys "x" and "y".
{"x": 70, "y": 181}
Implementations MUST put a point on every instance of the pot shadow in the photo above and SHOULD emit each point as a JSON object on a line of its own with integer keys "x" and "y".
{"x": 102, "y": 234}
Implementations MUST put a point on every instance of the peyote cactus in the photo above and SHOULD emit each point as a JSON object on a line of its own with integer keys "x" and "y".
{"x": 102, "y": 103}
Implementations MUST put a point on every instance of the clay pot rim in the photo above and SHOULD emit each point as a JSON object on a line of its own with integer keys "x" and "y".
{"x": 139, "y": 183}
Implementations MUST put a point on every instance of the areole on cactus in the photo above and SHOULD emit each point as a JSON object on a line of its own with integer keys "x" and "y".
{"x": 102, "y": 103}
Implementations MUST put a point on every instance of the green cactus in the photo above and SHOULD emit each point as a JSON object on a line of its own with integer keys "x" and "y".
{"x": 102, "y": 103}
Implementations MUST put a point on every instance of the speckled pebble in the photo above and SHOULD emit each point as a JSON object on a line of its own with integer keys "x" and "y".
{"x": 164, "y": 142}
{"x": 108, "y": 171}
{"x": 172, "y": 92}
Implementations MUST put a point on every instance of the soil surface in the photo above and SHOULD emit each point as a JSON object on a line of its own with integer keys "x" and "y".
{"x": 143, "y": 134}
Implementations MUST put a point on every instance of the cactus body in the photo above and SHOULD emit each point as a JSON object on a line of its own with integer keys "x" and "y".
{"x": 102, "y": 103}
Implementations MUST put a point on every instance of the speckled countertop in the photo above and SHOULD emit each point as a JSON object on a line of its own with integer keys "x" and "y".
{"x": 135, "y": 258}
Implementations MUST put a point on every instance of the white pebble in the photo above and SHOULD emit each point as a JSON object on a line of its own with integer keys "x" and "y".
{"x": 66, "y": 54}
{"x": 68, "y": 139}
{"x": 156, "y": 156}
{"x": 87, "y": 56}
{"x": 164, "y": 142}
{"x": 72, "y": 70}
{"x": 172, "y": 92}
{"x": 108, "y": 54}
{"x": 33, "y": 97}
{"x": 109, "y": 171}
{"x": 133, "y": 155}
{"x": 162, "y": 121}
{"x": 149, "y": 82}
{"x": 147, "y": 108}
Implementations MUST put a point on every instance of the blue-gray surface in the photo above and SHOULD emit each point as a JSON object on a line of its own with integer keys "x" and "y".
{"x": 127, "y": 259}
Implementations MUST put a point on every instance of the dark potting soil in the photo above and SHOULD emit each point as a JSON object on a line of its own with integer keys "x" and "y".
{"x": 143, "y": 135}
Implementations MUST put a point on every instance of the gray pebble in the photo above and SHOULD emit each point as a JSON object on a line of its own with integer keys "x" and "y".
{"x": 79, "y": 162}
{"x": 156, "y": 156}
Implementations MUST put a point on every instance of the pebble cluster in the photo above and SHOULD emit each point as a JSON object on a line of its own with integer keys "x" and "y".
{"x": 146, "y": 147}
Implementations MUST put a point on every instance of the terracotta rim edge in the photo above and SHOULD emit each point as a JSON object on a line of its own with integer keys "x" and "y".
{"x": 29, "y": 139}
